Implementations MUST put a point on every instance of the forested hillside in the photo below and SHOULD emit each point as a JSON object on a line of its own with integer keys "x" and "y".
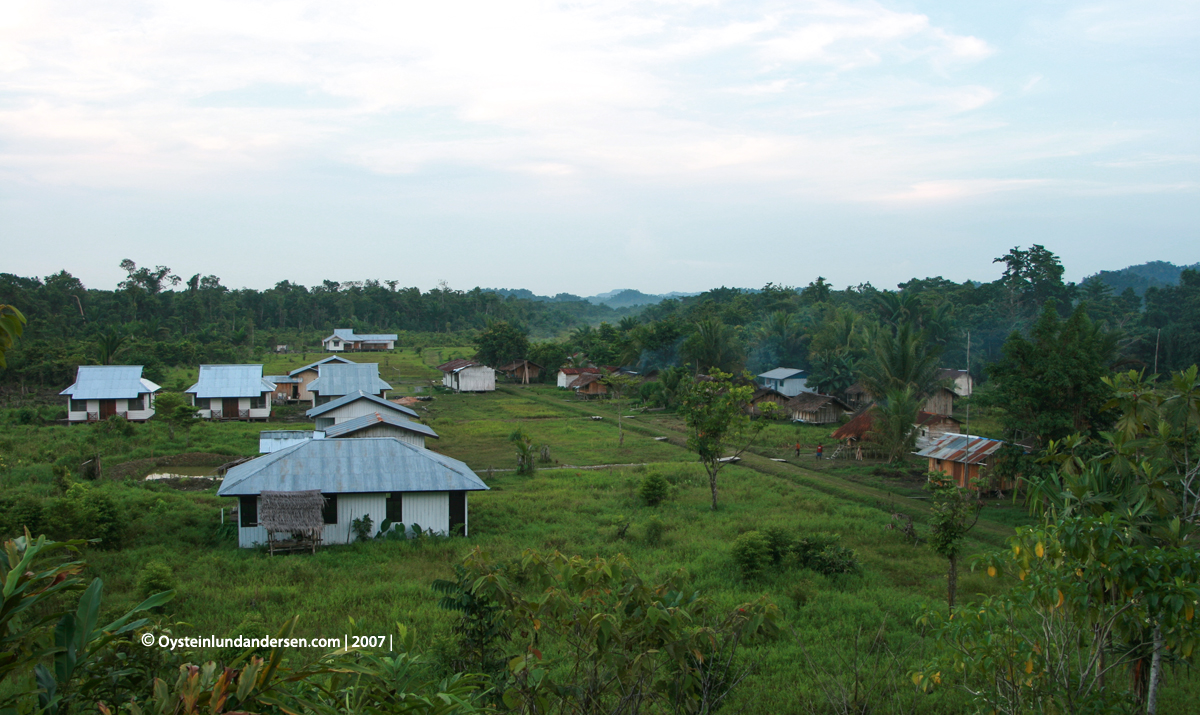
{"x": 160, "y": 320}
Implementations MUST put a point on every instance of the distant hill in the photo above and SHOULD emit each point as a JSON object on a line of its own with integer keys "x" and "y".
{"x": 1143, "y": 277}
{"x": 620, "y": 298}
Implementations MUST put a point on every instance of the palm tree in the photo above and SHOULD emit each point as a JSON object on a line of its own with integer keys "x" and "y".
{"x": 108, "y": 344}
{"x": 901, "y": 359}
{"x": 713, "y": 345}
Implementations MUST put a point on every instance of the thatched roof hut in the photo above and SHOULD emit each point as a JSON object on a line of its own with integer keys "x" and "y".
{"x": 292, "y": 513}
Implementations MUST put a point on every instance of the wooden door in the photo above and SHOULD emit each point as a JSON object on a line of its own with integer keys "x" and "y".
{"x": 229, "y": 408}
{"x": 108, "y": 408}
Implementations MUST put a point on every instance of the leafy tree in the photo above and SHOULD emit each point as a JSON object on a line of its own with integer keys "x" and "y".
{"x": 714, "y": 409}
{"x": 1032, "y": 278}
{"x": 1050, "y": 384}
{"x": 501, "y": 343}
{"x": 174, "y": 409}
{"x": 12, "y": 325}
{"x": 955, "y": 512}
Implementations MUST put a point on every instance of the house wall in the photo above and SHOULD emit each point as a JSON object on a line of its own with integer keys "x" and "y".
{"x": 826, "y": 414}
{"x": 258, "y": 413}
{"x": 429, "y": 510}
{"x": 448, "y": 380}
{"x": 940, "y": 403}
{"x": 358, "y": 408}
{"x": 135, "y": 415}
{"x": 305, "y": 377}
{"x": 793, "y": 386}
{"x": 389, "y": 431}
{"x": 476, "y": 379}
{"x": 333, "y": 345}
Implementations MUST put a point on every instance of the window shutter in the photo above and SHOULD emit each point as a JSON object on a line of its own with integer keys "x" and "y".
{"x": 329, "y": 512}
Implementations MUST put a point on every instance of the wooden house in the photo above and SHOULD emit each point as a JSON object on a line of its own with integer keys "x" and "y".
{"x": 522, "y": 371}
{"x": 931, "y": 427}
{"x": 964, "y": 458}
{"x": 305, "y": 375}
{"x": 815, "y": 409}
{"x": 763, "y": 395}
{"x": 103, "y": 391}
{"x": 355, "y": 405}
{"x": 286, "y": 388}
{"x": 336, "y": 380}
{"x": 786, "y": 380}
{"x": 346, "y": 340}
{"x": 857, "y": 396}
{"x": 381, "y": 477}
{"x": 232, "y": 392}
{"x": 941, "y": 402}
{"x": 382, "y": 424}
{"x": 589, "y": 385}
{"x": 568, "y": 375}
{"x": 468, "y": 376}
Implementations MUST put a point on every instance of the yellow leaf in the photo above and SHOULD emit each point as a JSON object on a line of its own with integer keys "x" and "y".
{"x": 916, "y": 678}
{"x": 1060, "y": 598}
{"x": 937, "y": 678}
{"x": 1189, "y": 612}
{"x": 1040, "y": 550}
{"x": 1021, "y": 575}
{"x": 1029, "y": 666}
{"x": 992, "y": 571}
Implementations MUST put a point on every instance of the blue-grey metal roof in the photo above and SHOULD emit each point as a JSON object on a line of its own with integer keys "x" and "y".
{"x": 326, "y": 361}
{"x": 338, "y": 379}
{"x": 360, "y": 395}
{"x": 349, "y": 335}
{"x": 281, "y": 379}
{"x": 109, "y": 382}
{"x": 231, "y": 381}
{"x": 782, "y": 373}
{"x": 347, "y": 466}
{"x": 342, "y": 429}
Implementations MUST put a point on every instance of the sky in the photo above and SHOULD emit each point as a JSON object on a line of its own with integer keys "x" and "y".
{"x": 585, "y": 146}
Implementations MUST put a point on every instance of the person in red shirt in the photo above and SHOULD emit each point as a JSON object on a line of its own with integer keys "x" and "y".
{"x": 820, "y": 450}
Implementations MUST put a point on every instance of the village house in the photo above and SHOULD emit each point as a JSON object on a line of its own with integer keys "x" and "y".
{"x": 568, "y": 375}
{"x": 960, "y": 381}
{"x": 346, "y": 340}
{"x": 763, "y": 395}
{"x": 522, "y": 371}
{"x": 589, "y": 384}
{"x": 468, "y": 376}
{"x": 103, "y": 391}
{"x": 305, "y": 375}
{"x": 814, "y": 409}
{"x": 336, "y": 380}
{"x": 380, "y": 477}
{"x": 964, "y": 459}
{"x": 382, "y": 424}
{"x": 941, "y": 402}
{"x": 286, "y": 388}
{"x": 785, "y": 380}
{"x": 232, "y": 392}
{"x": 931, "y": 427}
{"x": 355, "y": 405}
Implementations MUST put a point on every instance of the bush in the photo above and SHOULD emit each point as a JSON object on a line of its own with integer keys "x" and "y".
{"x": 24, "y": 512}
{"x": 84, "y": 513}
{"x": 362, "y": 527}
{"x": 155, "y": 577}
{"x": 780, "y": 542}
{"x": 654, "y": 531}
{"x": 752, "y": 554}
{"x": 823, "y": 554}
{"x": 654, "y": 489}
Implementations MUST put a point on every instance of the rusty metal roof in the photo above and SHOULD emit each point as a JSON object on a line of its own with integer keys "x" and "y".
{"x": 967, "y": 449}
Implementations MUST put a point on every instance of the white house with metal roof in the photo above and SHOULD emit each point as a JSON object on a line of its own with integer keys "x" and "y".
{"x": 103, "y": 391}
{"x": 232, "y": 392}
{"x": 382, "y": 424}
{"x": 310, "y": 372}
{"x": 346, "y": 340}
{"x": 335, "y": 380}
{"x": 468, "y": 376}
{"x": 382, "y": 477}
{"x": 358, "y": 404}
{"x": 786, "y": 380}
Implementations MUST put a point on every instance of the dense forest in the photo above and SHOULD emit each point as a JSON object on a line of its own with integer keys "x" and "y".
{"x": 158, "y": 319}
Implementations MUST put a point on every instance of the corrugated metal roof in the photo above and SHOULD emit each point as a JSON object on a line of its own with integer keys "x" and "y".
{"x": 954, "y": 447}
{"x": 376, "y": 418}
{"x": 231, "y": 381}
{"x": 345, "y": 466}
{"x": 326, "y": 361}
{"x": 782, "y": 373}
{"x": 109, "y": 382}
{"x": 338, "y": 379}
{"x": 456, "y": 365}
{"x": 348, "y": 335}
{"x": 347, "y": 399}
{"x": 281, "y": 379}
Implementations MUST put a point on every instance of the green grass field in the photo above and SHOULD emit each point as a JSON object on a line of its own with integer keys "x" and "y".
{"x": 223, "y": 590}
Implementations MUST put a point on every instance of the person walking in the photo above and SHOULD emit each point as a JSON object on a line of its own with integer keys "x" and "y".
{"x": 820, "y": 450}
{"x": 797, "y": 448}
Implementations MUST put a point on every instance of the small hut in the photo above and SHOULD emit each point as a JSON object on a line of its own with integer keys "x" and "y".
{"x": 814, "y": 409}
{"x": 522, "y": 371}
{"x": 766, "y": 394}
{"x": 294, "y": 521}
{"x": 589, "y": 384}
{"x": 857, "y": 396}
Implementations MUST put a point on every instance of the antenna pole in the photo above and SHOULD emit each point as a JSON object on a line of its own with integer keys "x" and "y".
{"x": 970, "y": 384}
{"x": 1156, "y": 338}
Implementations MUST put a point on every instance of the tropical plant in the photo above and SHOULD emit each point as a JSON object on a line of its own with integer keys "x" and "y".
{"x": 954, "y": 512}
{"x": 713, "y": 346}
{"x": 894, "y": 423}
{"x": 12, "y": 325}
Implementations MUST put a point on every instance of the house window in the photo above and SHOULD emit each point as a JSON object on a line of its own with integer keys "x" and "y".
{"x": 201, "y": 403}
{"x": 257, "y": 403}
{"x": 395, "y": 508}
{"x": 248, "y": 511}
{"x": 79, "y": 405}
{"x": 323, "y": 423}
{"x": 320, "y": 400}
{"x": 330, "y": 509}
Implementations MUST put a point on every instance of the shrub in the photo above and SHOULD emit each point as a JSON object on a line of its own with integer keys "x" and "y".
{"x": 780, "y": 542}
{"x": 654, "y": 489}
{"x": 654, "y": 531}
{"x": 823, "y": 554}
{"x": 752, "y": 554}
{"x": 155, "y": 577}
{"x": 362, "y": 527}
{"x": 24, "y": 512}
{"x": 84, "y": 513}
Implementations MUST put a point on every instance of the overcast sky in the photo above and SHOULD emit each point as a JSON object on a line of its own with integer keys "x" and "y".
{"x": 586, "y": 146}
